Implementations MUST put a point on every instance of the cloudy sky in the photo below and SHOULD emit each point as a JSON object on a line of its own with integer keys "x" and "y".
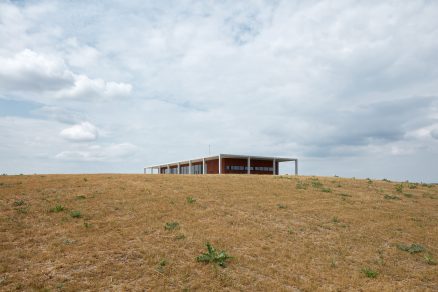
{"x": 348, "y": 87}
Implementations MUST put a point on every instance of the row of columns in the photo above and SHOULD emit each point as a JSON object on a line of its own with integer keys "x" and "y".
{"x": 274, "y": 167}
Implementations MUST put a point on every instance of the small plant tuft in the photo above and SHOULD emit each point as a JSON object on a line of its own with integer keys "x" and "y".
{"x": 75, "y": 214}
{"x": 391, "y": 197}
{"x": 316, "y": 183}
{"x": 326, "y": 190}
{"x": 281, "y": 206}
{"x": 370, "y": 273}
{"x": 180, "y": 237}
{"x": 80, "y": 197}
{"x": 386, "y": 180}
{"x": 212, "y": 256}
{"x": 57, "y": 208}
{"x": 190, "y": 200}
{"x": 171, "y": 225}
{"x": 19, "y": 203}
{"x": 301, "y": 185}
{"x": 399, "y": 188}
{"x": 429, "y": 259}
{"x": 413, "y": 248}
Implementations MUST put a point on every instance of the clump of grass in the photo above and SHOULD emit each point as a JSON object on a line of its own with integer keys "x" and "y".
{"x": 407, "y": 195}
{"x": 171, "y": 225}
{"x": 399, "y": 188}
{"x": 326, "y": 190}
{"x": 87, "y": 224}
{"x": 161, "y": 265}
{"x": 429, "y": 259}
{"x": 412, "y": 185}
{"x": 316, "y": 183}
{"x": 85, "y": 179}
{"x": 281, "y": 206}
{"x": 190, "y": 200}
{"x": 212, "y": 256}
{"x": 386, "y": 180}
{"x": 80, "y": 197}
{"x": 180, "y": 237}
{"x": 57, "y": 208}
{"x": 370, "y": 273}
{"x": 413, "y": 248}
{"x": 301, "y": 185}
{"x": 75, "y": 214}
{"x": 19, "y": 203}
{"x": 335, "y": 219}
{"x": 391, "y": 197}
{"x": 369, "y": 180}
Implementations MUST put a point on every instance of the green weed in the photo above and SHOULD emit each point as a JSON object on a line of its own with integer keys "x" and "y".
{"x": 180, "y": 237}
{"x": 413, "y": 248}
{"x": 75, "y": 214}
{"x": 370, "y": 273}
{"x": 390, "y": 197}
{"x": 429, "y": 259}
{"x": 326, "y": 190}
{"x": 171, "y": 225}
{"x": 19, "y": 203}
{"x": 190, "y": 200}
{"x": 57, "y": 208}
{"x": 212, "y": 256}
{"x": 301, "y": 185}
{"x": 281, "y": 206}
{"x": 399, "y": 188}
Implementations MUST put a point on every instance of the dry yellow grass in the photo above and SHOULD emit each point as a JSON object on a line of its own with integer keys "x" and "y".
{"x": 282, "y": 238}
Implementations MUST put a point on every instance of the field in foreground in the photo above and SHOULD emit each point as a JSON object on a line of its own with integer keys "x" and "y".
{"x": 135, "y": 232}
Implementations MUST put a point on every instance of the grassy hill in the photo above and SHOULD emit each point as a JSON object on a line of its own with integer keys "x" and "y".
{"x": 134, "y": 232}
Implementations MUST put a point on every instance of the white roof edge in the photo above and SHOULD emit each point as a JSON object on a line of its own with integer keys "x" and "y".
{"x": 210, "y": 157}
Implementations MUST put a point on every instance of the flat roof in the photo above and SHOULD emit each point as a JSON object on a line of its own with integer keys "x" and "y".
{"x": 278, "y": 159}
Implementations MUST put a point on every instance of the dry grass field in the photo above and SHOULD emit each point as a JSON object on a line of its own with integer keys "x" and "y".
{"x": 144, "y": 232}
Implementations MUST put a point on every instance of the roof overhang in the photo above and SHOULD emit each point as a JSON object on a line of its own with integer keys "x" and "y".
{"x": 277, "y": 159}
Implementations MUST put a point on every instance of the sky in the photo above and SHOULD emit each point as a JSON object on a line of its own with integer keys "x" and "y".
{"x": 350, "y": 88}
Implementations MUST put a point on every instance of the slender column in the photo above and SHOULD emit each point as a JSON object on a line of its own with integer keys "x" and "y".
{"x": 220, "y": 164}
{"x": 203, "y": 165}
{"x": 249, "y": 165}
{"x": 168, "y": 169}
{"x": 190, "y": 167}
{"x": 274, "y": 172}
{"x": 296, "y": 166}
{"x": 179, "y": 168}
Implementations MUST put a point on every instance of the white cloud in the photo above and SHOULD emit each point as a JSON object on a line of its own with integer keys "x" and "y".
{"x": 106, "y": 153}
{"x": 83, "y": 132}
{"x": 47, "y": 77}
{"x": 86, "y": 88}
{"x": 29, "y": 71}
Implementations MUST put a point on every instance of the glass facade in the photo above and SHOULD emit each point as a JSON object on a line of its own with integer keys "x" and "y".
{"x": 252, "y": 168}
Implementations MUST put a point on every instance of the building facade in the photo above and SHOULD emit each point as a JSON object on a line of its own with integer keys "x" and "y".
{"x": 224, "y": 164}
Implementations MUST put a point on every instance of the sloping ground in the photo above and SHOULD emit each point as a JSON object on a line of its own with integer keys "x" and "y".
{"x": 284, "y": 233}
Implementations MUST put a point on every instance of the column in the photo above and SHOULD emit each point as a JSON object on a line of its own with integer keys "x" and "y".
{"x": 220, "y": 164}
{"x": 296, "y": 166}
{"x": 249, "y": 165}
{"x": 273, "y": 167}
{"x": 190, "y": 167}
{"x": 179, "y": 168}
{"x": 168, "y": 169}
{"x": 203, "y": 165}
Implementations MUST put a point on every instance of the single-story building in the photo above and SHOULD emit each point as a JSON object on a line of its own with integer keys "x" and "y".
{"x": 223, "y": 163}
